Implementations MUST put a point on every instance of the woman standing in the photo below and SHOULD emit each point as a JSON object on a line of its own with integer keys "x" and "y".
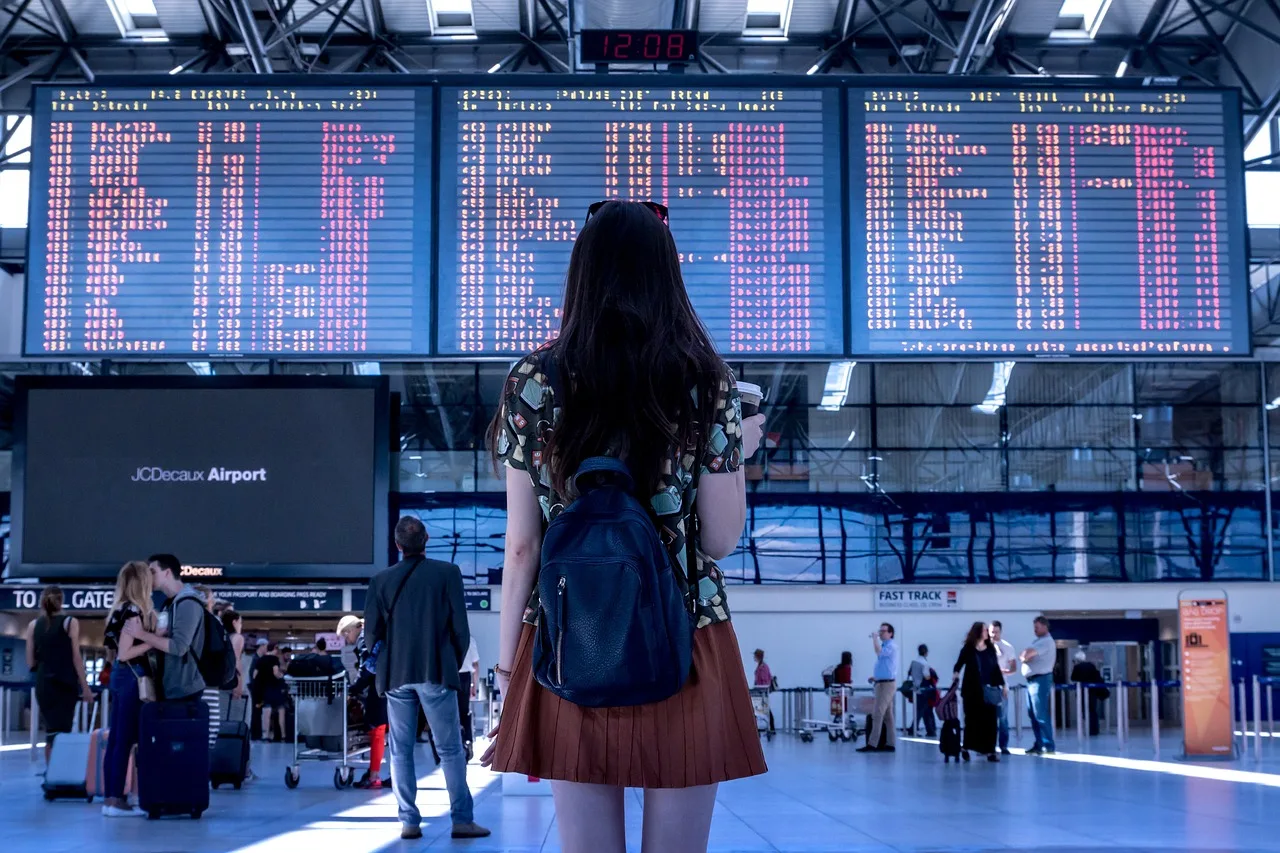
{"x": 638, "y": 379}
{"x": 133, "y": 601}
{"x": 375, "y": 707}
{"x": 236, "y": 701}
{"x": 763, "y": 679}
{"x": 53, "y": 654}
{"x": 981, "y": 692}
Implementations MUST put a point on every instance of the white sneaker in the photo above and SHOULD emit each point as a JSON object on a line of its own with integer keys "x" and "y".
{"x": 116, "y": 811}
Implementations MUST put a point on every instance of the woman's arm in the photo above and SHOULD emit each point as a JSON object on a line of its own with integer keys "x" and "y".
{"x": 521, "y": 558}
{"x": 85, "y": 693}
{"x": 722, "y": 511}
{"x": 30, "y": 636}
{"x": 130, "y": 648}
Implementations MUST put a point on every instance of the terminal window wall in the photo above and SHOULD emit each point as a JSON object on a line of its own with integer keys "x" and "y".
{"x": 886, "y": 472}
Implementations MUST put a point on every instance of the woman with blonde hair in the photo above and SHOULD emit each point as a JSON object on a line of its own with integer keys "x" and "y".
{"x": 132, "y": 666}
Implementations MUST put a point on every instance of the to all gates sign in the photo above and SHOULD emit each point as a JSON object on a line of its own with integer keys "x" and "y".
{"x": 74, "y": 598}
{"x": 918, "y": 598}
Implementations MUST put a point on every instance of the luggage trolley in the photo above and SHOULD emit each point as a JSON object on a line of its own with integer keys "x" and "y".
{"x": 843, "y": 724}
{"x": 330, "y": 688}
{"x": 760, "y": 706}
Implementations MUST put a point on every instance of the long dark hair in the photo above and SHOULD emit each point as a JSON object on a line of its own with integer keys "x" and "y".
{"x": 975, "y": 634}
{"x": 630, "y": 350}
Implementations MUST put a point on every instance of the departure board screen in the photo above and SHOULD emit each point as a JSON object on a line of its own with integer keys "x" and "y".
{"x": 270, "y": 220}
{"x": 1029, "y": 222}
{"x": 750, "y": 176}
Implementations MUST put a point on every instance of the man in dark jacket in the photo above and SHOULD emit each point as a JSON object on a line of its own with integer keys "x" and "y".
{"x": 1086, "y": 673}
{"x": 417, "y": 610}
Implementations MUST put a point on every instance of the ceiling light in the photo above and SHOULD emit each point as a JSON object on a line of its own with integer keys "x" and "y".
{"x": 1122, "y": 68}
{"x": 768, "y": 18}
{"x": 200, "y": 368}
{"x": 994, "y": 401}
{"x": 1080, "y": 18}
{"x": 813, "y": 69}
{"x": 452, "y": 17}
{"x": 497, "y": 66}
{"x": 1273, "y": 405}
{"x": 137, "y": 19}
{"x": 177, "y": 69}
{"x": 835, "y": 390}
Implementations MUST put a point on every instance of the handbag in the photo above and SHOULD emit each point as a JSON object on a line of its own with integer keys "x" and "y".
{"x": 146, "y": 685}
{"x": 992, "y": 695}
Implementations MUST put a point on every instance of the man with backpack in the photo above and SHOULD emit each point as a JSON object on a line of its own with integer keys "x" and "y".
{"x": 416, "y": 611}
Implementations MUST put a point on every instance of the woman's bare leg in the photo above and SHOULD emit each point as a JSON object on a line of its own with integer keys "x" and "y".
{"x": 678, "y": 820}
{"x": 591, "y": 818}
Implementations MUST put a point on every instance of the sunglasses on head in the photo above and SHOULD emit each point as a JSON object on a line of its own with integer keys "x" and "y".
{"x": 659, "y": 210}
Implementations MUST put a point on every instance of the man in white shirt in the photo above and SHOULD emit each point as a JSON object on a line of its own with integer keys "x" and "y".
{"x": 1008, "y": 662}
{"x": 1037, "y": 666}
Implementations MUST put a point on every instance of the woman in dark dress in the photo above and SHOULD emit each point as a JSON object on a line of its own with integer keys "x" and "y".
{"x": 981, "y": 670}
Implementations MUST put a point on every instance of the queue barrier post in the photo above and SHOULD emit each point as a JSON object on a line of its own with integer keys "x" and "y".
{"x": 1257, "y": 719}
{"x": 1155, "y": 719}
{"x": 35, "y": 722}
{"x": 1242, "y": 708}
{"x": 1080, "y": 713}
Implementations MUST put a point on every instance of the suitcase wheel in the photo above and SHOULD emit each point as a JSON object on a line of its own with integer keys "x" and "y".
{"x": 343, "y": 777}
{"x": 291, "y": 777}
{"x": 236, "y": 785}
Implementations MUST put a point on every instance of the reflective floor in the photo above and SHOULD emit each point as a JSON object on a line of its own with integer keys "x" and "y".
{"x": 817, "y": 797}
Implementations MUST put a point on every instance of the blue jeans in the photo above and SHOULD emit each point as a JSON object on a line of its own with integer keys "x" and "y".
{"x": 1002, "y": 723}
{"x": 126, "y": 711}
{"x": 1040, "y": 707}
{"x": 441, "y": 707}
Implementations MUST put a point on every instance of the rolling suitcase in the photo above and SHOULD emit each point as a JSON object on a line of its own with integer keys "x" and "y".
{"x": 949, "y": 742}
{"x": 67, "y": 776}
{"x": 173, "y": 759}
{"x": 229, "y": 761}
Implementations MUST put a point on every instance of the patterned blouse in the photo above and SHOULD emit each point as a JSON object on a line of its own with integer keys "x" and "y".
{"x": 529, "y": 413}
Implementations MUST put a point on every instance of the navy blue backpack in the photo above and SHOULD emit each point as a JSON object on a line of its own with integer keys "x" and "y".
{"x": 615, "y": 629}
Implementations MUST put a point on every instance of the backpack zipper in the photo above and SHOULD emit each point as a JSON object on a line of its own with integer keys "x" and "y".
{"x": 560, "y": 632}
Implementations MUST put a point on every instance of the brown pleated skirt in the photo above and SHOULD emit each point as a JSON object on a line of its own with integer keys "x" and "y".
{"x": 704, "y": 734}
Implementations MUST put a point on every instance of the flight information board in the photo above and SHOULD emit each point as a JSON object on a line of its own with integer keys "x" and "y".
{"x": 270, "y": 220}
{"x": 1028, "y": 222}
{"x": 750, "y": 176}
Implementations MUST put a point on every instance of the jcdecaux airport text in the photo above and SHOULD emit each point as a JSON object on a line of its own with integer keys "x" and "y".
{"x": 155, "y": 474}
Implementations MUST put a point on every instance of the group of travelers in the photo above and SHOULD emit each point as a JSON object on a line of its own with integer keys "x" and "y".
{"x": 985, "y": 670}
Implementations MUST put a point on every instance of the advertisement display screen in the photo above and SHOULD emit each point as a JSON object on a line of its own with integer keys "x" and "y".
{"x": 240, "y": 479}
{"x": 1205, "y": 663}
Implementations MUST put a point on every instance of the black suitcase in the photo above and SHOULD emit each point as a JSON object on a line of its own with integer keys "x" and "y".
{"x": 173, "y": 759}
{"x": 949, "y": 742}
{"x": 229, "y": 761}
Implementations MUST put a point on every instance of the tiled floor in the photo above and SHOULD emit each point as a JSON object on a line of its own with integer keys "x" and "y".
{"x": 817, "y": 797}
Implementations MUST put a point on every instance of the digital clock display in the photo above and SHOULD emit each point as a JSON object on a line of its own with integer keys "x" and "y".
{"x": 638, "y": 45}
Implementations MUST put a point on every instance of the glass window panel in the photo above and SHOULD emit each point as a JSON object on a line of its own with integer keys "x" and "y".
{"x": 801, "y": 384}
{"x": 939, "y": 470}
{"x": 935, "y": 426}
{"x": 1077, "y": 469}
{"x": 438, "y": 470}
{"x": 1196, "y": 382}
{"x": 15, "y": 184}
{"x": 847, "y": 427}
{"x": 1070, "y": 426}
{"x": 839, "y": 471}
{"x": 1087, "y": 383}
{"x": 469, "y": 535}
{"x": 1201, "y": 426}
{"x": 934, "y": 383}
